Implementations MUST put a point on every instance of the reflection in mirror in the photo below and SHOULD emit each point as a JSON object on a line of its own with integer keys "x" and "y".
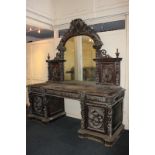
{"x": 79, "y": 57}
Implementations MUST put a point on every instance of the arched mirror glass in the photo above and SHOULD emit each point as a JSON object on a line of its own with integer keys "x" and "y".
{"x": 79, "y": 57}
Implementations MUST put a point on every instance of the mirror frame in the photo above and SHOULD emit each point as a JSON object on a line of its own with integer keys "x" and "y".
{"x": 79, "y": 27}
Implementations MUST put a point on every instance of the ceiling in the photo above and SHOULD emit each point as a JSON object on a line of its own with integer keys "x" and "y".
{"x": 33, "y": 34}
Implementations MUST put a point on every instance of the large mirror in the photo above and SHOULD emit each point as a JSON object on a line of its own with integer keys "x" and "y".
{"x": 79, "y": 57}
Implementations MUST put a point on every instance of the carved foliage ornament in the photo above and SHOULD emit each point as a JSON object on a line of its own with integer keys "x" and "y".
{"x": 37, "y": 103}
{"x": 107, "y": 74}
{"x": 79, "y": 27}
{"x": 96, "y": 117}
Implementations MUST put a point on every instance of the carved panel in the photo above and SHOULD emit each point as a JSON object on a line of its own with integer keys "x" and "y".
{"x": 109, "y": 121}
{"x": 108, "y": 69}
{"x": 45, "y": 105}
{"x": 96, "y": 116}
{"x": 36, "y": 102}
{"x": 55, "y": 70}
{"x": 107, "y": 74}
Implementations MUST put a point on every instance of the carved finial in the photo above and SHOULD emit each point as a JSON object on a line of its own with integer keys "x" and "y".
{"x": 117, "y": 53}
{"x": 48, "y": 57}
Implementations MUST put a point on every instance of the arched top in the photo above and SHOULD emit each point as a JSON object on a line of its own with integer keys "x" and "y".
{"x": 79, "y": 27}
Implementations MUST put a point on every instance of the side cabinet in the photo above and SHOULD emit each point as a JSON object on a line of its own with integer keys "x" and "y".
{"x": 45, "y": 108}
{"x": 103, "y": 121}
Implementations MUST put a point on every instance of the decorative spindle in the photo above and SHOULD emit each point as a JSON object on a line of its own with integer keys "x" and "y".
{"x": 117, "y": 53}
{"x": 48, "y": 57}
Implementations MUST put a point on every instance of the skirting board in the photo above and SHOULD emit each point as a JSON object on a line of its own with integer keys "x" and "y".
{"x": 73, "y": 116}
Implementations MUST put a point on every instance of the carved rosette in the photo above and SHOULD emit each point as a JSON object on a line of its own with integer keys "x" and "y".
{"x": 109, "y": 121}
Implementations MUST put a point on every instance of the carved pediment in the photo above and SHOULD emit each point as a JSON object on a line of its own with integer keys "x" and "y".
{"x": 79, "y": 27}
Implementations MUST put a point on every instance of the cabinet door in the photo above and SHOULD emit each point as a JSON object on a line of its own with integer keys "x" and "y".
{"x": 37, "y": 104}
{"x": 96, "y": 118}
{"x": 55, "y": 105}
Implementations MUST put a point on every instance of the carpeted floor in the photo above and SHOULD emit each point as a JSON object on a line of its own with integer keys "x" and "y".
{"x": 60, "y": 137}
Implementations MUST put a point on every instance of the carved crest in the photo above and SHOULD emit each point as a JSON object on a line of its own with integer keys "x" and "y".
{"x": 79, "y": 27}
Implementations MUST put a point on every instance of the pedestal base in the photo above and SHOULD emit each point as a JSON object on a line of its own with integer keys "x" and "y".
{"x": 99, "y": 137}
{"x": 44, "y": 119}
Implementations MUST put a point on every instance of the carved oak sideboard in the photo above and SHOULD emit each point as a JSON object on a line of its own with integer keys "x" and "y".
{"x": 101, "y": 101}
{"x": 101, "y": 106}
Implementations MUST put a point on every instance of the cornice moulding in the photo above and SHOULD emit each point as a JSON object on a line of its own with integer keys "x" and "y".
{"x": 33, "y": 16}
{"x": 103, "y": 13}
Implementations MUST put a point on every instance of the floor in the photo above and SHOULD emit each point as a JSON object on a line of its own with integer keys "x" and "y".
{"x": 60, "y": 137}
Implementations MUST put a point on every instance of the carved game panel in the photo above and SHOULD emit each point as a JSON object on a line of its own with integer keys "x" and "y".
{"x": 37, "y": 104}
{"x": 107, "y": 74}
{"x": 96, "y": 118}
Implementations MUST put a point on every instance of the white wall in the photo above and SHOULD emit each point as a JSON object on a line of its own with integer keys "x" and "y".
{"x": 36, "y": 66}
{"x": 90, "y": 10}
{"x": 44, "y": 13}
{"x": 30, "y": 38}
{"x": 40, "y": 13}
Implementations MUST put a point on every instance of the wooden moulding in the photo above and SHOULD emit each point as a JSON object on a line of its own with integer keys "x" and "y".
{"x": 44, "y": 119}
{"x": 108, "y": 141}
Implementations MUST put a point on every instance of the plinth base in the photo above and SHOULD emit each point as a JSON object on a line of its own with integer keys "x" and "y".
{"x": 44, "y": 119}
{"x": 99, "y": 137}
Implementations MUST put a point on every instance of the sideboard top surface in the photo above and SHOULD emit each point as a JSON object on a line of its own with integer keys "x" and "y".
{"x": 81, "y": 87}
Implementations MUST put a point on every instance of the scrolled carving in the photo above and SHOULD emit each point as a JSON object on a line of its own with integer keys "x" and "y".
{"x": 107, "y": 74}
{"x": 96, "y": 117}
{"x": 38, "y": 104}
{"x": 58, "y": 56}
{"x": 79, "y": 27}
{"x": 109, "y": 121}
{"x": 103, "y": 53}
